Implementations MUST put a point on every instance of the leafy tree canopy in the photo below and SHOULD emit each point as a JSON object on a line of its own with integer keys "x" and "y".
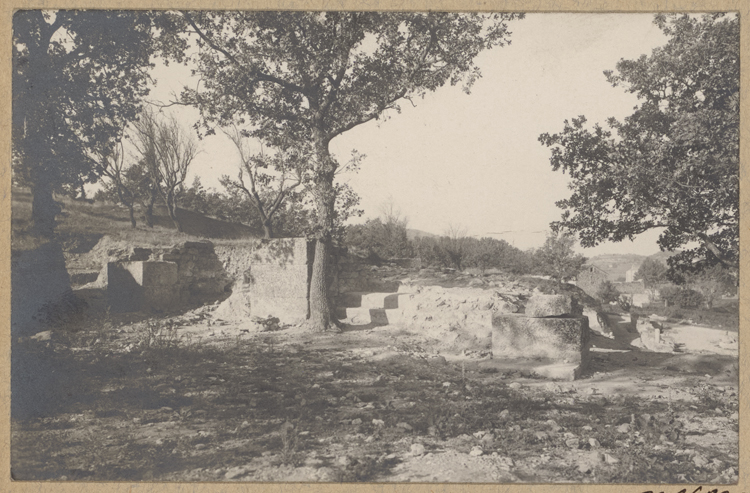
{"x": 78, "y": 77}
{"x": 674, "y": 163}
{"x": 652, "y": 272}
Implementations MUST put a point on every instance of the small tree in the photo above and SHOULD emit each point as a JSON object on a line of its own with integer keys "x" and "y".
{"x": 712, "y": 283}
{"x": 78, "y": 78}
{"x": 112, "y": 166}
{"x": 167, "y": 150}
{"x": 455, "y": 244}
{"x": 271, "y": 179}
{"x": 557, "y": 259}
{"x": 652, "y": 273}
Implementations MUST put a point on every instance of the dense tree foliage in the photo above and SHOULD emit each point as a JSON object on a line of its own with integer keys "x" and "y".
{"x": 674, "y": 163}
{"x": 379, "y": 239}
{"x": 557, "y": 259}
{"x": 652, "y": 273}
{"x": 311, "y": 76}
{"x": 78, "y": 77}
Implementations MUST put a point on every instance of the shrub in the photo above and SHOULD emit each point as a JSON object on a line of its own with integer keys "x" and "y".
{"x": 607, "y": 292}
{"x": 683, "y": 298}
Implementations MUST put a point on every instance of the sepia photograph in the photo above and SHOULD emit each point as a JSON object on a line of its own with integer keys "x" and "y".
{"x": 375, "y": 246}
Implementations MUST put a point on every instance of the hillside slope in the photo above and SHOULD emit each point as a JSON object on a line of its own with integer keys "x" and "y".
{"x": 81, "y": 225}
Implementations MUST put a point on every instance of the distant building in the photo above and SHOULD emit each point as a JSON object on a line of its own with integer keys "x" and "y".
{"x": 590, "y": 279}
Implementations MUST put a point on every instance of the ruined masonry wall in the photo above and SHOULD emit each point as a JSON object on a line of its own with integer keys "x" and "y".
{"x": 271, "y": 279}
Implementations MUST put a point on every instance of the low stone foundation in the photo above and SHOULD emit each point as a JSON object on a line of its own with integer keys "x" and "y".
{"x": 556, "y": 335}
{"x": 137, "y": 286}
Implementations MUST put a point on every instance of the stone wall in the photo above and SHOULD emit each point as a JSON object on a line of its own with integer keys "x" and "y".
{"x": 590, "y": 279}
{"x": 136, "y": 286}
{"x": 271, "y": 279}
{"x": 163, "y": 278}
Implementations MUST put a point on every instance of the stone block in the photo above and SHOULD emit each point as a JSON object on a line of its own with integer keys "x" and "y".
{"x": 552, "y": 305}
{"x": 124, "y": 294}
{"x": 136, "y": 286}
{"x": 153, "y": 273}
{"x": 559, "y": 371}
{"x": 559, "y": 340}
{"x": 274, "y": 281}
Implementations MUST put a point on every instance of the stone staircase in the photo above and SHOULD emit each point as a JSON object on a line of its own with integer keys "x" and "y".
{"x": 371, "y": 308}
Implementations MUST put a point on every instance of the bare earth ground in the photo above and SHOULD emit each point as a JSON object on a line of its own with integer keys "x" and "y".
{"x": 138, "y": 400}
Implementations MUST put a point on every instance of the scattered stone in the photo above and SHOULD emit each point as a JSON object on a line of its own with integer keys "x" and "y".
{"x": 514, "y": 386}
{"x": 587, "y": 461}
{"x": 552, "y": 387}
{"x": 594, "y": 443}
{"x": 235, "y": 472}
{"x": 587, "y": 428}
{"x": 476, "y": 451}
{"x": 609, "y": 459}
{"x": 446, "y": 384}
{"x": 572, "y": 443}
{"x": 42, "y": 336}
{"x": 313, "y": 462}
{"x": 378, "y": 422}
{"x": 553, "y": 425}
{"x": 417, "y": 449}
{"x": 700, "y": 461}
{"x": 504, "y": 414}
{"x": 357, "y": 421}
{"x": 623, "y": 428}
{"x": 405, "y": 426}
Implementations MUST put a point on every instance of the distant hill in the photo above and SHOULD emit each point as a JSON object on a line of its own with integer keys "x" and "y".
{"x": 81, "y": 225}
{"x": 616, "y": 265}
{"x": 662, "y": 256}
{"x": 416, "y": 233}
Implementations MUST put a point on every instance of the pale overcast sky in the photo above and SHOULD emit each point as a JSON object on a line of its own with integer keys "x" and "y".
{"x": 474, "y": 160}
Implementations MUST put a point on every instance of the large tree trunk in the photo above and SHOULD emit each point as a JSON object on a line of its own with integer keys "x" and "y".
{"x": 148, "y": 214}
{"x": 44, "y": 208}
{"x": 267, "y": 229}
{"x": 172, "y": 210}
{"x": 131, "y": 210}
{"x": 321, "y": 313}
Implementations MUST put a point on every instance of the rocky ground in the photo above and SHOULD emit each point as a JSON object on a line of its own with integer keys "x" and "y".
{"x": 191, "y": 398}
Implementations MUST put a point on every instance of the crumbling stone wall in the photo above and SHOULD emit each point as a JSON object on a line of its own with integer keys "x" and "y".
{"x": 163, "y": 278}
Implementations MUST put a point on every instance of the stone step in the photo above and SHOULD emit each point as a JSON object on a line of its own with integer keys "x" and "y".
{"x": 370, "y": 300}
{"x": 374, "y": 316}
